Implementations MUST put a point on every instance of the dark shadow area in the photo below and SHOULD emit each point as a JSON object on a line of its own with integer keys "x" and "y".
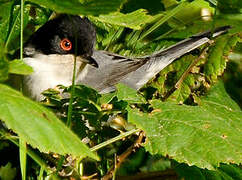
{"x": 153, "y": 6}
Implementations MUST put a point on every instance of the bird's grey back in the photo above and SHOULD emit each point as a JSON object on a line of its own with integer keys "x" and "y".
{"x": 135, "y": 73}
{"x": 112, "y": 69}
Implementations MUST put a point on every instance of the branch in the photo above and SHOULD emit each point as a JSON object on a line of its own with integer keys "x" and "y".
{"x": 122, "y": 157}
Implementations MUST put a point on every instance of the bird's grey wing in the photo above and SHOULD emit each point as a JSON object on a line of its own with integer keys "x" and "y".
{"x": 112, "y": 69}
{"x": 163, "y": 58}
{"x": 135, "y": 73}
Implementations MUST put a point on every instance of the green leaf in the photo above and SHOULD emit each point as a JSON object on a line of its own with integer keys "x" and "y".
{"x": 197, "y": 135}
{"x": 218, "y": 55}
{"x": 164, "y": 19}
{"x": 7, "y": 172}
{"x": 23, "y": 157}
{"x": 19, "y": 67}
{"x": 106, "y": 98}
{"x": 225, "y": 171}
{"x": 134, "y": 20}
{"x": 13, "y": 39}
{"x": 231, "y": 6}
{"x": 192, "y": 12}
{"x": 5, "y": 19}
{"x": 128, "y": 94}
{"x": 38, "y": 126}
{"x": 3, "y": 65}
{"x": 81, "y": 7}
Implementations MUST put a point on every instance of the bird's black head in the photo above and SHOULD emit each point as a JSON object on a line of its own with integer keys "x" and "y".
{"x": 66, "y": 34}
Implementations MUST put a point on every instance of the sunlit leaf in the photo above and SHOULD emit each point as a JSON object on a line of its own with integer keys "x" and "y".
{"x": 38, "y": 126}
{"x": 203, "y": 135}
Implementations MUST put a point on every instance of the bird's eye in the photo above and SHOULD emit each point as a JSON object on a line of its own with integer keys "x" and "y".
{"x": 66, "y": 44}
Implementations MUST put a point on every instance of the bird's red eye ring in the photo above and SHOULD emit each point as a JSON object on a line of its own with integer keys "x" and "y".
{"x": 66, "y": 44}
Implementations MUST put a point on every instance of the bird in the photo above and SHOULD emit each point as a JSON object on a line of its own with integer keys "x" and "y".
{"x": 52, "y": 50}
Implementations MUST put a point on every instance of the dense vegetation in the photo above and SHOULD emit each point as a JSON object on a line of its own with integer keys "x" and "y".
{"x": 185, "y": 123}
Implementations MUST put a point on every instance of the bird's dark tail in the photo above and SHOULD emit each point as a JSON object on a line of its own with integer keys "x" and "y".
{"x": 163, "y": 58}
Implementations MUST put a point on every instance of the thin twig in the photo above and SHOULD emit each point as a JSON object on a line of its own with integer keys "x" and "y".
{"x": 70, "y": 107}
{"x": 122, "y": 157}
{"x": 117, "y": 138}
{"x": 185, "y": 74}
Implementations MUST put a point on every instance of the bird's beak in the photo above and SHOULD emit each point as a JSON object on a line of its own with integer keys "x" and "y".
{"x": 90, "y": 60}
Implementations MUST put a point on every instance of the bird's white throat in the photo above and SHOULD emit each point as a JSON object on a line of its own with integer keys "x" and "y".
{"x": 50, "y": 71}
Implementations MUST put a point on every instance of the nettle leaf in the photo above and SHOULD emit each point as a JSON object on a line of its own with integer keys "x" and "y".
{"x": 203, "y": 135}
{"x": 184, "y": 89}
{"x": 225, "y": 171}
{"x": 128, "y": 94}
{"x": 19, "y": 67}
{"x": 84, "y": 7}
{"x": 218, "y": 55}
{"x": 38, "y": 126}
{"x": 134, "y": 20}
{"x": 170, "y": 75}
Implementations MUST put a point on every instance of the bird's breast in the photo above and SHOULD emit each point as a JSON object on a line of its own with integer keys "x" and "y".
{"x": 50, "y": 71}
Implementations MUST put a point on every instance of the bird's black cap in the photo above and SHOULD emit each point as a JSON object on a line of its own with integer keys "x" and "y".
{"x": 66, "y": 34}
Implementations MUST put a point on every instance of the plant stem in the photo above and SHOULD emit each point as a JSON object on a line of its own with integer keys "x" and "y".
{"x": 110, "y": 141}
{"x": 70, "y": 107}
{"x": 21, "y": 30}
{"x": 185, "y": 74}
{"x": 123, "y": 156}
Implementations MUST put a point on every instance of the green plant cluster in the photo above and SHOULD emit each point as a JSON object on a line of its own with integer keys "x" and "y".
{"x": 185, "y": 123}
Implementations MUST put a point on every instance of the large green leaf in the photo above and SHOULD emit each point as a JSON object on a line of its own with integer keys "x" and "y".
{"x": 84, "y": 7}
{"x": 197, "y": 135}
{"x": 38, "y": 126}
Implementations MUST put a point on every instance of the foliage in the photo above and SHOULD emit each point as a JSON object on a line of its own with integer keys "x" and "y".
{"x": 192, "y": 125}
{"x": 37, "y": 126}
{"x": 182, "y": 132}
